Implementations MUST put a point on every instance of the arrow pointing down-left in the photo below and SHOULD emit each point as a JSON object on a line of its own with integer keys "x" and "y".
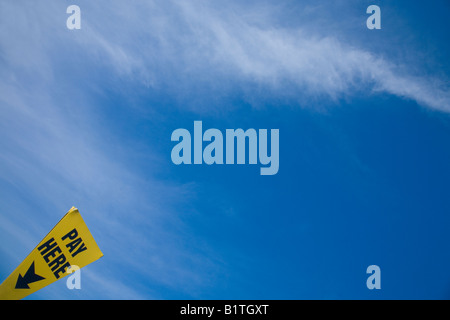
{"x": 29, "y": 277}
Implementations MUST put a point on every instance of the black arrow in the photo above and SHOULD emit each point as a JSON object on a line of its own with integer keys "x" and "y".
{"x": 29, "y": 277}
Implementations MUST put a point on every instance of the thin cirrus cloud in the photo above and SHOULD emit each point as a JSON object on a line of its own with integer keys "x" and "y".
{"x": 193, "y": 48}
{"x": 55, "y": 154}
{"x": 173, "y": 45}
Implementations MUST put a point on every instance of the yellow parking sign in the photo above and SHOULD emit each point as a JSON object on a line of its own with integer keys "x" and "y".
{"x": 68, "y": 243}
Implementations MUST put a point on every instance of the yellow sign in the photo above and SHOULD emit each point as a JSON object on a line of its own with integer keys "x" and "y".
{"x": 68, "y": 243}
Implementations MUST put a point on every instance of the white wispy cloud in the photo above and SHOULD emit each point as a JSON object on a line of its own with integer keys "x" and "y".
{"x": 183, "y": 46}
{"x": 56, "y": 152}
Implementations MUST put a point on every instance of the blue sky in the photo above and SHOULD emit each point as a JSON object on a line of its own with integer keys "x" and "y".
{"x": 87, "y": 116}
